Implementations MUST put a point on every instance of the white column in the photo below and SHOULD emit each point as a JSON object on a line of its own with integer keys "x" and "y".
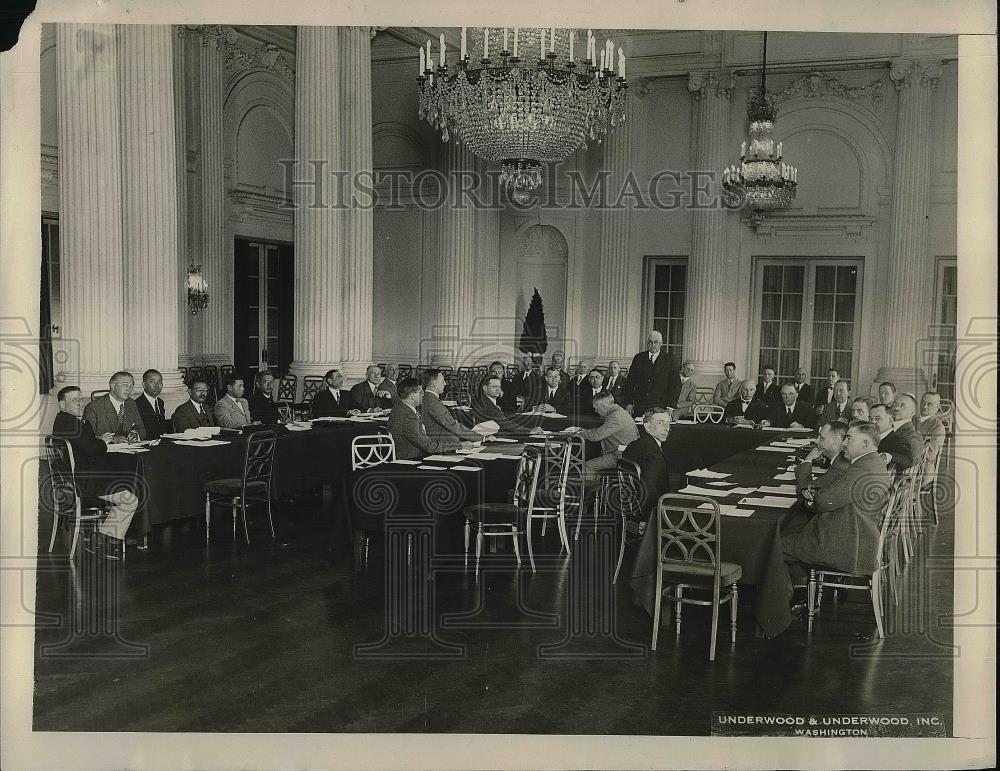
{"x": 488, "y": 263}
{"x": 180, "y": 143}
{"x": 359, "y": 250}
{"x": 319, "y": 228}
{"x": 216, "y": 254}
{"x": 708, "y": 341}
{"x": 90, "y": 205}
{"x": 458, "y": 257}
{"x": 149, "y": 202}
{"x": 906, "y": 318}
{"x": 613, "y": 308}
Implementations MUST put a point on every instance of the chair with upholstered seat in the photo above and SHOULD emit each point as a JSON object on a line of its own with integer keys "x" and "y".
{"x": 253, "y": 487}
{"x": 505, "y": 520}
{"x": 688, "y": 545}
{"x": 889, "y": 530}
{"x": 66, "y": 502}
{"x": 707, "y": 413}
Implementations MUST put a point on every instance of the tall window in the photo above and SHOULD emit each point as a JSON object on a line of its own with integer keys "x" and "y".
{"x": 809, "y": 315}
{"x": 947, "y": 319}
{"x": 666, "y": 294}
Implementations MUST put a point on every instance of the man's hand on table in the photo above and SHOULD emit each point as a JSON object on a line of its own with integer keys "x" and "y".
{"x": 353, "y": 413}
{"x": 795, "y": 424}
{"x": 546, "y": 408}
{"x": 107, "y": 437}
{"x": 814, "y": 453}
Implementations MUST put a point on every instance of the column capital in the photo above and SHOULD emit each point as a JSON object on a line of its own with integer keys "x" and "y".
{"x": 717, "y": 83}
{"x": 922, "y": 72}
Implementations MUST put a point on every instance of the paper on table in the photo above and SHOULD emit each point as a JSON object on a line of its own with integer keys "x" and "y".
{"x": 330, "y": 419}
{"x": 770, "y": 501}
{"x": 449, "y": 402}
{"x": 483, "y": 456}
{"x": 201, "y": 432}
{"x": 683, "y": 421}
{"x": 203, "y": 443}
{"x": 773, "y": 428}
{"x": 783, "y": 445}
{"x": 466, "y": 468}
{"x": 552, "y": 415}
{"x": 786, "y": 476}
{"x": 799, "y": 442}
{"x": 777, "y": 489}
{"x": 803, "y": 429}
{"x": 432, "y": 468}
{"x": 729, "y": 510}
{"x": 467, "y": 450}
{"x": 486, "y": 428}
{"x": 707, "y": 474}
{"x": 445, "y": 458}
{"x": 503, "y": 439}
{"x": 743, "y": 425}
{"x": 298, "y": 426}
{"x": 721, "y": 484}
{"x": 741, "y": 490}
{"x": 406, "y": 462}
{"x": 126, "y": 449}
{"x": 769, "y": 448}
{"x": 695, "y": 490}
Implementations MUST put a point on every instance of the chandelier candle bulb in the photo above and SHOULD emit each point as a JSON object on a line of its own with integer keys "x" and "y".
{"x": 552, "y": 40}
{"x": 430, "y": 61}
{"x": 442, "y": 49}
{"x": 779, "y": 149}
{"x": 463, "y": 51}
{"x": 603, "y": 53}
{"x": 621, "y": 63}
{"x": 572, "y": 39}
{"x": 422, "y": 62}
{"x": 517, "y": 32}
{"x": 505, "y": 39}
{"x": 486, "y": 42}
{"x": 541, "y": 44}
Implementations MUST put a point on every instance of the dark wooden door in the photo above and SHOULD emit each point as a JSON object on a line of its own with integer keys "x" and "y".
{"x": 263, "y": 296}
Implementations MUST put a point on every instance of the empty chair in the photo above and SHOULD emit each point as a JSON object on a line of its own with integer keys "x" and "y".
{"x": 512, "y": 371}
{"x": 624, "y": 498}
{"x": 195, "y": 373}
{"x": 372, "y": 450}
{"x": 405, "y": 370}
{"x": 253, "y": 487}
{"x": 66, "y": 502}
{"x": 708, "y": 413}
{"x": 560, "y": 487}
{"x": 703, "y": 395}
{"x": 287, "y": 387}
{"x": 688, "y": 545}
{"x": 505, "y": 520}
{"x": 874, "y": 584}
{"x": 312, "y": 385}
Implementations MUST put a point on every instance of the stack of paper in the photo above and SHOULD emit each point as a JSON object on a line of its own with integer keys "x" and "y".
{"x": 202, "y": 432}
{"x": 203, "y": 443}
{"x": 786, "y": 476}
{"x": 777, "y": 489}
{"x": 769, "y": 448}
{"x": 466, "y": 468}
{"x": 695, "y": 490}
{"x": 504, "y": 439}
{"x": 445, "y": 458}
{"x": 707, "y": 474}
{"x": 298, "y": 425}
{"x": 799, "y": 442}
{"x": 728, "y": 510}
{"x": 774, "y": 502}
{"x": 126, "y": 449}
{"x": 404, "y": 462}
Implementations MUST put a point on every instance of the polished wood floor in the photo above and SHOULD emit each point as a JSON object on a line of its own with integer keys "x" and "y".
{"x": 263, "y": 638}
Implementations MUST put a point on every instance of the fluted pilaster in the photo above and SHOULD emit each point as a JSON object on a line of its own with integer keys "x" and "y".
{"x": 488, "y": 240}
{"x": 149, "y": 200}
{"x": 906, "y": 318}
{"x": 180, "y": 143}
{"x": 215, "y": 257}
{"x": 319, "y": 229}
{"x": 612, "y": 311}
{"x": 359, "y": 251}
{"x": 90, "y": 203}
{"x": 706, "y": 340}
{"x": 457, "y": 268}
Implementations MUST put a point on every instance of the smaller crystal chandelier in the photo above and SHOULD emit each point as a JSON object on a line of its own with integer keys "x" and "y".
{"x": 762, "y": 181}
{"x": 526, "y": 104}
{"x": 197, "y": 290}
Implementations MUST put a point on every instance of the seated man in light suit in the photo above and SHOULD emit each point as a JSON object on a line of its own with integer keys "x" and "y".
{"x": 840, "y": 407}
{"x": 829, "y": 454}
{"x": 930, "y": 427}
{"x": 150, "y": 405}
{"x": 618, "y": 430}
{"x": 686, "y": 393}
{"x": 369, "y": 393}
{"x": 438, "y": 421}
{"x": 843, "y": 533}
{"x": 92, "y": 473}
{"x": 407, "y": 430}
{"x": 193, "y": 413}
{"x": 116, "y": 413}
{"x": 728, "y": 388}
{"x": 746, "y": 409}
{"x": 232, "y": 410}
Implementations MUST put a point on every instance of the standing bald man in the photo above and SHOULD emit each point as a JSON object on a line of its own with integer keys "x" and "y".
{"x": 652, "y": 379}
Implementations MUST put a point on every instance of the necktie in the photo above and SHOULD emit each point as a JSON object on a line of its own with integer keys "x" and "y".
{"x": 121, "y": 417}
{"x": 745, "y": 405}
{"x": 789, "y": 411}
{"x": 159, "y": 409}
{"x": 336, "y": 397}
{"x": 611, "y": 384}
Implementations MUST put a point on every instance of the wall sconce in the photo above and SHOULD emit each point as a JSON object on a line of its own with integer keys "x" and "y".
{"x": 197, "y": 290}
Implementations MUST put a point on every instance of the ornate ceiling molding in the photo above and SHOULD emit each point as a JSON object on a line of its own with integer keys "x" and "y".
{"x": 907, "y": 72}
{"x": 266, "y": 56}
{"x": 720, "y": 83}
{"x": 818, "y": 84}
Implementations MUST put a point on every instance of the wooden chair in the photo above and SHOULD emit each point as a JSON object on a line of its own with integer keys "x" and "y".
{"x": 624, "y": 497}
{"x": 688, "y": 544}
{"x": 505, "y": 520}
{"x": 369, "y": 450}
{"x": 512, "y": 370}
{"x": 888, "y": 533}
{"x": 560, "y": 487}
{"x": 66, "y": 502}
{"x": 184, "y": 374}
{"x": 226, "y": 370}
{"x": 254, "y": 486}
{"x": 703, "y": 395}
{"x": 287, "y": 387}
{"x": 195, "y": 373}
{"x": 929, "y": 483}
{"x": 99, "y": 394}
{"x": 405, "y": 370}
{"x": 312, "y": 385}
{"x": 707, "y": 413}
{"x": 212, "y": 376}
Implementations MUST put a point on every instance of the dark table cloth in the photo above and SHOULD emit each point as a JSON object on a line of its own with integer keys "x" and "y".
{"x": 752, "y": 542}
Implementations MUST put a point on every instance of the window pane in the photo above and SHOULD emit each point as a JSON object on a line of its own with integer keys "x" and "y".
{"x": 847, "y": 279}
{"x": 772, "y": 278}
{"x": 822, "y": 336}
{"x": 676, "y": 335}
{"x": 793, "y": 278}
{"x": 771, "y": 306}
{"x": 660, "y": 304}
{"x": 788, "y": 364}
{"x": 823, "y": 310}
{"x": 790, "y": 334}
{"x": 679, "y": 278}
{"x": 842, "y": 361}
{"x": 845, "y": 307}
{"x": 791, "y": 306}
{"x": 677, "y": 304}
{"x": 843, "y": 337}
{"x": 825, "y": 279}
{"x": 769, "y": 334}
{"x": 662, "y": 278}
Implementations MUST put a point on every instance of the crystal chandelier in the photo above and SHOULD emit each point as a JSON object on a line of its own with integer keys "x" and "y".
{"x": 762, "y": 181}
{"x": 525, "y": 104}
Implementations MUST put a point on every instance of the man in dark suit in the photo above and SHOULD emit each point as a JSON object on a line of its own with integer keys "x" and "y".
{"x": 554, "y": 395}
{"x": 579, "y": 387}
{"x": 614, "y": 381}
{"x": 828, "y": 453}
{"x": 861, "y": 408}
{"x": 558, "y": 361}
{"x": 407, "y": 430}
{"x": 649, "y": 453}
{"x": 843, "y": 534}
{"x": 791, "y": 414}
{"x": 894, "y": 444}
{"x": 825, "y": 396}
{"x": 651, "y": 381}
{"x": 438, "y": 421}
{"x": 584, "y": 395}
{"x": 93, "y": 475}
{"x": 806, "y": 393}
{"x": 262, "y": 406}
{"x": 887, "y": 393}
{"x": 768, "y": 390}
{"x": 527, "y": 385}
{"x": 486, "y": 405}
{"x": 840, "y": 407}
{"x": 746, "y": 409}
{"x": 334, "y": 401}
{"x": 391, "y": 376}
{"x": 116, "y": 412}
{"x": 193, "y": 413}
{"x": 508, "y": 398}
{"x": 369, "y": 394}
{"x": 150, "y": 405}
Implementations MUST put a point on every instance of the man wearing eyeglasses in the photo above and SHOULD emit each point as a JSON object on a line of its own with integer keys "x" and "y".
{"x": 652, "y": 380}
